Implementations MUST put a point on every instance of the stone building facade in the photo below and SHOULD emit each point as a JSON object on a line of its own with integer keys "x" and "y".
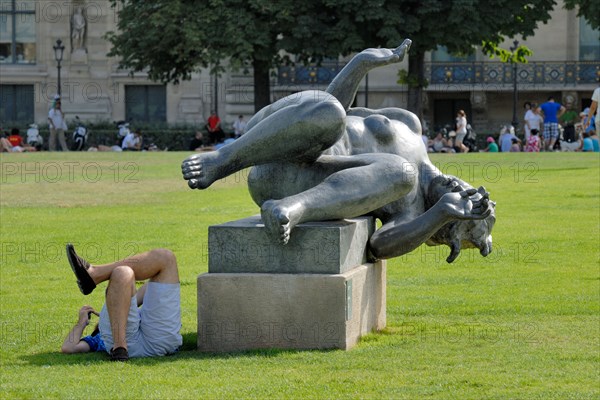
{"x": 566, "y": 64}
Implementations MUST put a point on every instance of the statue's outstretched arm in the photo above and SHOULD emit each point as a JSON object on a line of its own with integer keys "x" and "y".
{"x": 403, "y": 235}
{"x": 345, "y": 85}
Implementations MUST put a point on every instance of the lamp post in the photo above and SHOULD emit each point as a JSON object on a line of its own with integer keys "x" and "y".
{"x": 515, "y": 121}
{"x": 58, "y": 56}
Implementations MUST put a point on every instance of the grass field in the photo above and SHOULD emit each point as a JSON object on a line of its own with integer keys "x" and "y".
{"x": 523, "y": 323}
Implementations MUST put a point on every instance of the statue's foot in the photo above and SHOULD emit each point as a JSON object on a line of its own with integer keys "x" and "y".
{"x": 279, "y": 220}
{"x": 202, "y": 170}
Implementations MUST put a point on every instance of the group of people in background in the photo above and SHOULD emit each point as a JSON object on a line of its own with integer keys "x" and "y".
{"x": 547, "y": 127}
{"x": 562, "y": 127}
{"x": 131, "y": 140}
{"x": 455, "y": 142}
{"x": 14, "y": 142}
{"x": 216, "y": 136}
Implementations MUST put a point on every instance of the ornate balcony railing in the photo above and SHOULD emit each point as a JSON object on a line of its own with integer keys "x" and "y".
{"x": 310, "y": 74}
{"x": 470, "y": 73}
{"x": 533, "y": 73}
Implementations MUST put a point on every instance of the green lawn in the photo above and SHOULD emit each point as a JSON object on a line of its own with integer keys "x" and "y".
{"x": 523, "y": 323}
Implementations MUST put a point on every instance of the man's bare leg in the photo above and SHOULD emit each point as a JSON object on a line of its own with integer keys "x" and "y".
{"x": 121, "y": 288}
{"x": 158, "y": 265}
{"x": 363, "y": 183}
{"x": 301, "y": 128}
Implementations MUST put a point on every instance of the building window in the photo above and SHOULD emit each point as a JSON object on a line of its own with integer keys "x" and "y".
{"x": 17, "y": 32}
{"x": 16, "y": 104}
{"x": 589, "y": 42}
{"x": 441, "y": 54}
{"x": 146, "y": 103}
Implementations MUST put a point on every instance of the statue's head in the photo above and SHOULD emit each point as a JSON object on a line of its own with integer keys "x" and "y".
{"x": 462, "y": 234}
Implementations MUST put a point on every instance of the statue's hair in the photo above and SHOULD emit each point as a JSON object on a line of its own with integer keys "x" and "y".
{"x": 452, "y": 233}
{"x": 439, "y": 186}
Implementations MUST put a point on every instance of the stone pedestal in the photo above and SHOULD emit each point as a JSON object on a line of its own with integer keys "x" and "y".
{"x": 79, "y": 57}
{"x": 316, "y": 292}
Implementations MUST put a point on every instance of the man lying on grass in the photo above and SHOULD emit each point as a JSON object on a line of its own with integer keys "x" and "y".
{"x": 125, "y": 329}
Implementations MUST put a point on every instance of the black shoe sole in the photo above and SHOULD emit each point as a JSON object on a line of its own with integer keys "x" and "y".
{"x": 84, "y": 280}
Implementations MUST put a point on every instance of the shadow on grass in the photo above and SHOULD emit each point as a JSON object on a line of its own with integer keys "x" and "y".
{"x": 186, "y": 352}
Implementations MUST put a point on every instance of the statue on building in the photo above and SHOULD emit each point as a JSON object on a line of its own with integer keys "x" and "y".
{"x": 315, "y": 158}
{"x": 78, "y": 28}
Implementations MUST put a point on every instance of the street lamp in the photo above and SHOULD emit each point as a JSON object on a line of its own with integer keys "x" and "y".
{"x": 515, "y": 46}
{"x": 58, "y": 56}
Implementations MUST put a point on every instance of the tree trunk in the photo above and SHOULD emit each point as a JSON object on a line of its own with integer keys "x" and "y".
{"x": 416, "y": 74}
{"x": 262, "y": 88}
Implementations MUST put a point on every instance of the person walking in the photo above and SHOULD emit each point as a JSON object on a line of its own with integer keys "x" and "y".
{"x": 461, "y": 131}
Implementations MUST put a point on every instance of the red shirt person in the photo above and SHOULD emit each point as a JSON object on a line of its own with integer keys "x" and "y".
{"x": 215, "y": 133}
{"x": 15, "y": 138}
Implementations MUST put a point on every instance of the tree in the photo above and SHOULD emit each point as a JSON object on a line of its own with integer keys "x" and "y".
{"x": 460, "y": 25}
{"x": 588, "y": 9}
{"x": 170, "y": 39}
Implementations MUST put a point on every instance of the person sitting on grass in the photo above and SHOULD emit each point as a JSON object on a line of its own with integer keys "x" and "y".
{"x": 507, "y": 134}
{"x": 6, "y": 147}
{"x": 133, "y": 141}
{"x": 515, "y": 147}
{"x": 124, "y": 329}
{"x": 197, "y": 142}
{"x": 533, "y": 142}
{"x": 492, "y": 147}
{"x": 17, "y": 144}
{"x": 586, "y": 143}
{"x": 438, "y": 144}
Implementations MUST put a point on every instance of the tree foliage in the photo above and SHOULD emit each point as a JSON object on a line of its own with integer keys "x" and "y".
{"x": 588, "y": 9}
{"x": 172, "y": 38}
{"x": 459, "y": 25}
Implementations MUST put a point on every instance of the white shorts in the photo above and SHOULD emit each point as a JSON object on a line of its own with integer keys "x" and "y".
{"x": 153, "y": 329}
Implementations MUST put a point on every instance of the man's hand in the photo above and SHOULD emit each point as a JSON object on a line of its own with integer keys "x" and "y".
{"x": 84, "y": 315}
{"x": 73, "y": 342}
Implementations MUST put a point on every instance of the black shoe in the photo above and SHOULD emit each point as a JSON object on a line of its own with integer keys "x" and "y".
{"x": 80, "y": 266}
{"x": 119, "y": 354}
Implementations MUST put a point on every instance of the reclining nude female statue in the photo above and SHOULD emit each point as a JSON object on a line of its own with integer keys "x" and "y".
{"x": 315, "y": 159}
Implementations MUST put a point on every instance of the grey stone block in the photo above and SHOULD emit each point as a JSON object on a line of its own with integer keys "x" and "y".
{"x": 330, "y": 247}
{"x": 242, "y": 311}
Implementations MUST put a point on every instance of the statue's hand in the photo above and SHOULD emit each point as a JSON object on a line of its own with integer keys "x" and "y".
{"x": 379, "y": 57}
{"x": 466, "y": 204}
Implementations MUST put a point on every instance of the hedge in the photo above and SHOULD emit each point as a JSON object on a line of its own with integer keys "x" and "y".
{"x": 171, "y": 137}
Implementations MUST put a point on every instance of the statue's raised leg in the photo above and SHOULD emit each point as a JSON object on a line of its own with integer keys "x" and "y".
{"x": 301, "y": 128}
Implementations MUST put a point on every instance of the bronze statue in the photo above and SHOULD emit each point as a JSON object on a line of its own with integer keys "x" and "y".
{"x": 314, "y": 159}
